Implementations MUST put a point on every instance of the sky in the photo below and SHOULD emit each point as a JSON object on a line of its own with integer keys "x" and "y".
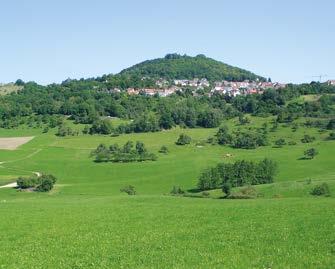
{"x": 49, "y": 41}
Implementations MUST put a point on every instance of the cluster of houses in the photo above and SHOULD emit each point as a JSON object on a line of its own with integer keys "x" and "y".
{"x": 331, "y": 82}
{"x": 165, "y": 88}
{"x": 244, "y": 87}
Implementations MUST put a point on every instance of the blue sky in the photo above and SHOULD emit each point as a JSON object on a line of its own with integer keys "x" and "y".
{"x": 49, "y": 41}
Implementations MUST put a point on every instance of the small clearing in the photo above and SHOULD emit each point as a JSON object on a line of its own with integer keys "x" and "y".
{"x": 12, "y": 143}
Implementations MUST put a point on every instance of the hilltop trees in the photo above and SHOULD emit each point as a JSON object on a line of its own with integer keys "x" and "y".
{"x": 175, "y": 66}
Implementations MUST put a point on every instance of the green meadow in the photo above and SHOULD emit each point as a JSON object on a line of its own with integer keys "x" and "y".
{"x": 85, "y": 222}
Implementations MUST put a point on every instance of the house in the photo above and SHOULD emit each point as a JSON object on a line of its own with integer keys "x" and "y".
{"x": 331, "y": 82}
{"x": 132, "y": 91}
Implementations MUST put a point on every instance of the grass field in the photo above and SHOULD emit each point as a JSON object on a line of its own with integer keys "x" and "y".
{"x": 85, "y": 222}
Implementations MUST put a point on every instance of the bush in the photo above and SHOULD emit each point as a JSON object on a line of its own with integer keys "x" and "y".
{"x": 205, "y": 194}
{"x": 320, "y": 190}
{"x": 310, "y": 153}
{"x": 44, "y": 183}
{"x": 292, "y": 143}
{"x": 26, "y": 183}
{"x": 280, "y": 142}
{"x": 164, "y": 150}
{"x": 307, "y": 139}
{"x": 183, "y": 140}
{"x": 331, "y": 124}
{"x": 176, "y": 190}
{"x": 247, "y": 192}
{"x": 226, "y": 188}
{"x": 331, "y": 136}
{"x": 126, "y": 153}
{"x": 130, "y": 190}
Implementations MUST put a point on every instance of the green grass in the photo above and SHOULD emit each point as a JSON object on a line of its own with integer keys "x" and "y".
{"x": 85, "y": 222}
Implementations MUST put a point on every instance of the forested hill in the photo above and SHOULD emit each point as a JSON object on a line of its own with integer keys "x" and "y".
{"x": 175, "y": 66}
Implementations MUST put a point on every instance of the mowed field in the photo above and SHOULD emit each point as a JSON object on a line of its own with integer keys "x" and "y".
{"x": 85, "y": 222}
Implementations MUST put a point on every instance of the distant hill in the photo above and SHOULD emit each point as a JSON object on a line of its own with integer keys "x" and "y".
{"x": 175, "y": 66}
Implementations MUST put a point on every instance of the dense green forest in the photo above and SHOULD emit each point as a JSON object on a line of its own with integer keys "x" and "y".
{"x": 85, "y": 102}
{"x": 175, "y": 66}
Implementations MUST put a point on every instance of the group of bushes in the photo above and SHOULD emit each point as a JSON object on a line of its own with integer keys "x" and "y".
{"x": 43, "y": 183}
{"x": 240, "y": 173}
{"x": 126, "y": 153}
{"x": 242, "y": 139}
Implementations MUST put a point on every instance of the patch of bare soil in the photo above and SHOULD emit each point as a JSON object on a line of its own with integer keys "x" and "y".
{"x": 12, "y": 143}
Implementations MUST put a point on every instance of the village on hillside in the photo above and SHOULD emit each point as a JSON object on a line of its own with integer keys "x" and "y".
{"x": 164, "y": 88}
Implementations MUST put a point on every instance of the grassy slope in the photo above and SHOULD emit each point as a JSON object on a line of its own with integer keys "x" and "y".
{"x": 87, "y": 223}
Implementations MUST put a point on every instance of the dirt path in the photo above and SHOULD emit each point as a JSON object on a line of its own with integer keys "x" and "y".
{"x": 10, "y": 185}
{"x": 14, "y": 184}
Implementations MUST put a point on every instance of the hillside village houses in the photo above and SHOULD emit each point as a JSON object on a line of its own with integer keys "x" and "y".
{"x": 164, "y": 87}
{"x": 331, "y": 82}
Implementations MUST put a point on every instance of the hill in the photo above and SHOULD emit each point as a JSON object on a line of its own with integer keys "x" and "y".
{"x": 175, "y": 66}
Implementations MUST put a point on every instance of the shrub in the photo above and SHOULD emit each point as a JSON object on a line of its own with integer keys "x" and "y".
{"x": 205, "y": 194}
{"x": 320, "y": 190}
{"x": 26, "y": 183}
{"x": 331, "y": 124}
{"x": 176, "y": 190}
{"x": 126, "y": 153}
{"x": 310, "y": 153}
{"x": 130, "y": 190}
{"x": 247, "y": 192}
{"x": 307, "y": 139}
{"x": 292, "y": 143}
{"x": 331, "y": 136}
{"x": 280, "y": 142}
{"x": 164, "y": 150}
{"x": 44, "y": 183}
{"x": 226, "y": 188}
{"x": 223, "y": 136}
{"x": 183, "y": 140}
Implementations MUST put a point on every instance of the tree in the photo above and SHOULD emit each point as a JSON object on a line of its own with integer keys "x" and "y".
{"x": 310, "y": 153}
{"x": 46, "y": 185}
{"x": 183, "y": 140}
{"x": 19, "y": 82}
